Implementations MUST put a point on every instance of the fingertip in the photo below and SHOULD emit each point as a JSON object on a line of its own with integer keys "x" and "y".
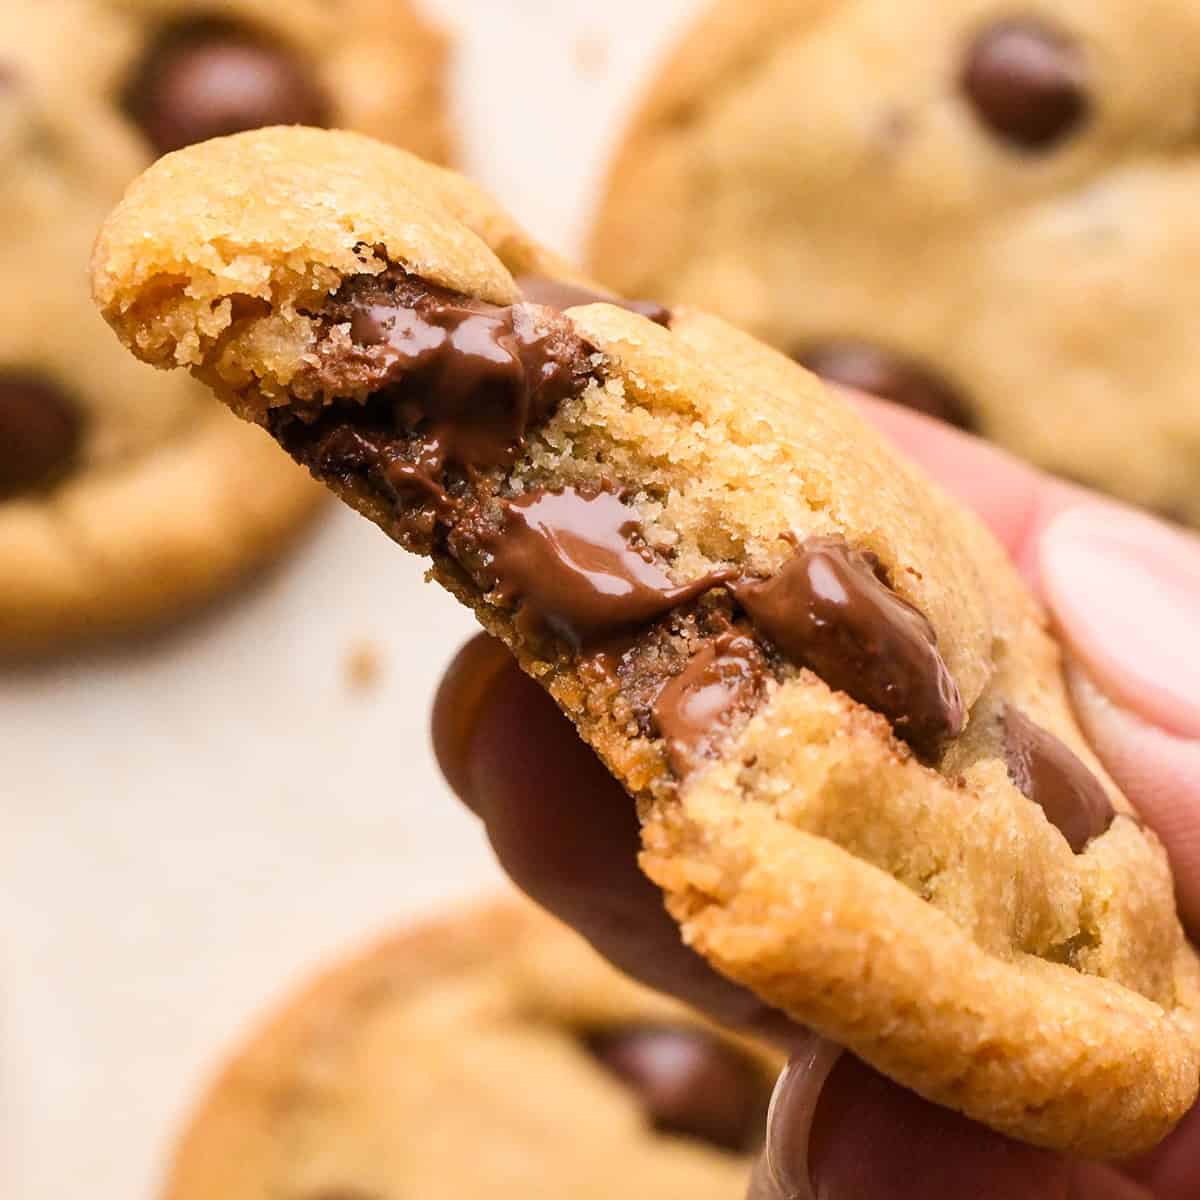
{"x": 562, "y": 827}
{"x": 565, "y": 830}
{"x": 471, "y": 685}
{"x": 1124, "y": 589}
{"x": 870, "y": 1137}
{"x": 786, "y": 1170}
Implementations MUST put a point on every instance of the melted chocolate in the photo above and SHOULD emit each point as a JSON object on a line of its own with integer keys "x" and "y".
{"x": 40, "y": 433}
{"x": 688, "y": 1082}
{"x": 1045, "y": 771}
{"x": 696, "y": 708}
{"x": 471, "y": 376}
{"x": 829, "y": 610}
{"x": 453, "y": 382}
{"x": 893, "y": 376}
{"x": 569, "y": 561}
{"x": 554, "y": 293}
{"x": 1027, "y": 84}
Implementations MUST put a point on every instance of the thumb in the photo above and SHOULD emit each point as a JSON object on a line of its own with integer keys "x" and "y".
{"x": 1124, "y": 590}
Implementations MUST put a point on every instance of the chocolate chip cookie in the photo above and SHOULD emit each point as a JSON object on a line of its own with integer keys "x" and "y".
{"x": 982, "y": 210}
{"x": 838, "y": 708}
{"x": 488, "y": 1054}
{"x": 122, "y": 491}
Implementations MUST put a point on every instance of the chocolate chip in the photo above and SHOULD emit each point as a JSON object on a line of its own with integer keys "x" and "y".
{"x": 570, "y": 562}
{"x": 1027, "y": 83}
{"x": 1045, "y": 771}
{"x": 829, "y": 610}
{"x": 695, "y": 708}
{"x": 895, "y": 377}
{"x": 554, "y": 293}
{"x": 205, "y": 79}
{"x": 40, "y": 431}
{"x": 689, "y": 1082}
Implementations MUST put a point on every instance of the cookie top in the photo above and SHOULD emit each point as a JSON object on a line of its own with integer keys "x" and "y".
{"x": 489, "y": 1053}
{"x": 981, "y": 209}
{"x": 121, "y": 491}
{"x": 836, "y": 704}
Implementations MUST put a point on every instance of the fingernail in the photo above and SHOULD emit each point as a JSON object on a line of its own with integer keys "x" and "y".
{"x": 1124, "y": 590}
{"x": 460, "y": 700}
{"x": 784, "y": 1171}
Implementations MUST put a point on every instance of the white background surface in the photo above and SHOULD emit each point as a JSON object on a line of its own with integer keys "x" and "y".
{"x": 190, "y": 826}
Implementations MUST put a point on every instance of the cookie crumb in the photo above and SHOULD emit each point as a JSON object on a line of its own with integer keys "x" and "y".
{"x": 589, "y": 53}
{"x": 364, "y": 666}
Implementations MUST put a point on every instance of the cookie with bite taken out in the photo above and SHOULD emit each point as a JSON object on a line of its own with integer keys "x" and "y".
{"x": 835, "y": 704}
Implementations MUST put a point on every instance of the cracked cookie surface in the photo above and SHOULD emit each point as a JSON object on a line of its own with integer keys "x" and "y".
{"x": 491, "y": 1052}
{"x": 836, "y": 705}
{"x": 983, "y": 211}
{"x": 122, "y": 491}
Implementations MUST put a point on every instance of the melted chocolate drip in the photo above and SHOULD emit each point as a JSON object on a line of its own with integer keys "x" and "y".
{"x": 688, "y": 1082}
{"x": 828, "y": 609}
{"x": 696, "y": 708}
{"x": 569, "y": 561}
{"x": 1045, "y": 771}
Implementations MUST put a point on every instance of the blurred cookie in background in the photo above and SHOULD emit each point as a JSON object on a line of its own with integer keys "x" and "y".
{"x": 981, "y": 209}
{"x": 492, "y": 1053}
{"x": 128, "y": 496}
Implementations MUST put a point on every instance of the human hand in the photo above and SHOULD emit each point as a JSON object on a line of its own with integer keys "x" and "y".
{"x": 1124, "y": 591}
